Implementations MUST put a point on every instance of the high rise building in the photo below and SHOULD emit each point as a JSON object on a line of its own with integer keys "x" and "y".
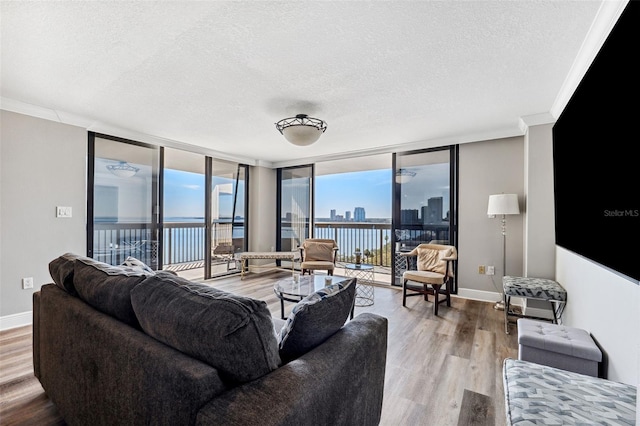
{"x": 432, "y": 212}
{"x": 359, "y": 214}
{"x": 333, "y": 214}
{"x": 347, "y": 215}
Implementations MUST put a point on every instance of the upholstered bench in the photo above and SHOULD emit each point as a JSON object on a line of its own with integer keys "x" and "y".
{"x": 558, "y": 346}
{"x": 540, "y": 395}
{"x": 533, "y": 288}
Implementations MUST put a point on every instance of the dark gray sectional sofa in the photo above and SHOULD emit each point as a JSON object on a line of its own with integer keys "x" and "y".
{"x": 125, "y": 346}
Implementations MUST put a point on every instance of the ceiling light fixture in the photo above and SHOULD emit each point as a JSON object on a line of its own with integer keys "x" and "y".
{"x": 301, "y": 130}
{"x": 123, "y": 169}
{"x": 404, "y": 175}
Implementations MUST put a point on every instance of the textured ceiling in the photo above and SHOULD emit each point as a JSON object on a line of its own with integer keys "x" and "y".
{"x": 219, "y": 74}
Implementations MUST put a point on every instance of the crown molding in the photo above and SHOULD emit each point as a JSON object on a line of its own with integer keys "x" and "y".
{"x": 604, "y": 22}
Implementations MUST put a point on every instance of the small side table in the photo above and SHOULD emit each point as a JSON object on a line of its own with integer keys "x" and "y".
{"x": 365, "y": 278}
{"x": 533, "y": 288}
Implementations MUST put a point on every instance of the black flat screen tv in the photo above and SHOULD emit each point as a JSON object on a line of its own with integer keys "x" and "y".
{"x": 595, "y": 144}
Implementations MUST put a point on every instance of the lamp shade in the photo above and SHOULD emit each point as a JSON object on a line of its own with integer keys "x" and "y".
{"x": 301, "y": 130}
{"x": 301, "y": 135}
{"x": 503, "y": 204}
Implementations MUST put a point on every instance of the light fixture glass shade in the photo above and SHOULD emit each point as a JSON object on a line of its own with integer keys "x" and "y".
{"x": 301, "y": 135}
{"x": 123, "y": 169}
{"x": 301, "y": 130}
{"x": 404, "y": 175}
{"x": 503, "y": 204}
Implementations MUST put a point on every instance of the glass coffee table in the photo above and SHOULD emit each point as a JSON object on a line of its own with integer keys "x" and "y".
{"x": 289, "y": 290}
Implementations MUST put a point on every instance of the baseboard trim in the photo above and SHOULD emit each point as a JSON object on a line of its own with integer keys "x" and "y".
{"x": 486, "y": 296}
{"x": 16, "y": 320}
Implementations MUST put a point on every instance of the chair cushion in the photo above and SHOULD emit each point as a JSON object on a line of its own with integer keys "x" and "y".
{"x": 232, "y": 333}
{"x": 317, "y": 264}
{"x": 431, "y": 260}
{"x": 106, "y": 287}
{"x": 318, "y": 251}
{"x": 426, "y": 277}
{"x": 316, "y": 318}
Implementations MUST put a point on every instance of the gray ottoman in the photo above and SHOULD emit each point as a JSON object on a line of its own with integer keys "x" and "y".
{"x": 554, "y": 345}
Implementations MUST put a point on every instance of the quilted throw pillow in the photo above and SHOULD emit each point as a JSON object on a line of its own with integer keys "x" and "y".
{"x": 316, "y": 318}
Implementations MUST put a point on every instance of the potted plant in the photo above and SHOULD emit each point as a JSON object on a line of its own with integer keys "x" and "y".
{"x": 358, "y": 255}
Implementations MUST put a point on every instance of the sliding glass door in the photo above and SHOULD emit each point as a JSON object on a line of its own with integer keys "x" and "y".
{"x": 169, "y": 208}
{"x": 425, "y": 200}
{"x": 183, "y": 212}
{"x": 123, "y": 201}
{"x": 227, "y": 211}
{"x": 295, "y": 192}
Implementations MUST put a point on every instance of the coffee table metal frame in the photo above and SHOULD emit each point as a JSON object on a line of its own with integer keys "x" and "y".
{"x": 366, "y": 277}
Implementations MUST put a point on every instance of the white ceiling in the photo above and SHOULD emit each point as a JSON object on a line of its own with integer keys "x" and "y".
{"x": 384, "y": 75}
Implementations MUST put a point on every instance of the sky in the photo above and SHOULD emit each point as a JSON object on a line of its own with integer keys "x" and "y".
{"x": 184, "y": 192}
{"x": 346, "y": 191}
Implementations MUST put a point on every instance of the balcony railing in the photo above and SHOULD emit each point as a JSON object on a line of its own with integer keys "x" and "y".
{"x": 184, "y": 242}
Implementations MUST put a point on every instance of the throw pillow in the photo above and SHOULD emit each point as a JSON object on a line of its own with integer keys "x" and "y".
{"x": 106, "y": 287}
{"x": 316, "y": 318}
{"x": 431, "y": 260}
{"x": 318, "y": 251}
{"x": 61, "y": 270}
{"x": 232, "y": 333}
{"x": 135, "y": 263}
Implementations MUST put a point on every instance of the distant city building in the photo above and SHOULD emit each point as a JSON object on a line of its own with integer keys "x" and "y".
{"x": 408, "y": 216}
{"x": 333, "y": 214}
{"x": 359, "y": 214}
{"x": 347, "y": 215}
{"x": 339, "y": 218}
{"x": 432, "y": 212}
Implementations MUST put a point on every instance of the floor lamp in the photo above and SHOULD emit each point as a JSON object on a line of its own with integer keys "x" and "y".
{"x": 503, "y": 204}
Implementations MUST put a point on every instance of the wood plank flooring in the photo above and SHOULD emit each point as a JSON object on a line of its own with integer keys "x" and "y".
{"x": 444, "y": 370}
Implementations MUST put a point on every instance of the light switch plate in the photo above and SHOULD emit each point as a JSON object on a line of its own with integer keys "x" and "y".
{"x": 63, "y": 211}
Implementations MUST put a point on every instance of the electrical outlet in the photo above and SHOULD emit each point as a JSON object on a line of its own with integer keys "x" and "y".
{"x": 27, "y": 283}
{"x": 491, "y": 270}
{"x": 481, "y": 270}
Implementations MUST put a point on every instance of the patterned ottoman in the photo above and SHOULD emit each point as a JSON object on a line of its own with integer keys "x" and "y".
{"x": 571, "y": 349}
{"x": 539, "y": 395}
{"x": 532, "y": 288}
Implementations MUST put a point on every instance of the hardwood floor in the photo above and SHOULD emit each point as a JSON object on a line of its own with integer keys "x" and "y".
{"x": 444, "y": 370}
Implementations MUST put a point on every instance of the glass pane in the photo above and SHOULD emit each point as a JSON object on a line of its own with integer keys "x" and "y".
{"x": 353, "y": 206}
{"x": 295, "y": 206}
{"x": 423, "y": 190}
{"x": 184, "y": 222}
{"x": 125, "y": 200}
{"x": 228, "y": 190}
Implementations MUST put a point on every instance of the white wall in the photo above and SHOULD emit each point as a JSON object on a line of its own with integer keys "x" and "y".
{"x": 605, "y": 304}
{"x": 490, "y": 167}
{"x": 43, "y": 165}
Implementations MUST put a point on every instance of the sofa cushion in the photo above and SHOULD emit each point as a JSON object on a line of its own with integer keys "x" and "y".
{"x": 232, "y": 333}
{"x": 61, "y": 271}
{"x": 316, "y": 318}
{"x": 107, "y": 287}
